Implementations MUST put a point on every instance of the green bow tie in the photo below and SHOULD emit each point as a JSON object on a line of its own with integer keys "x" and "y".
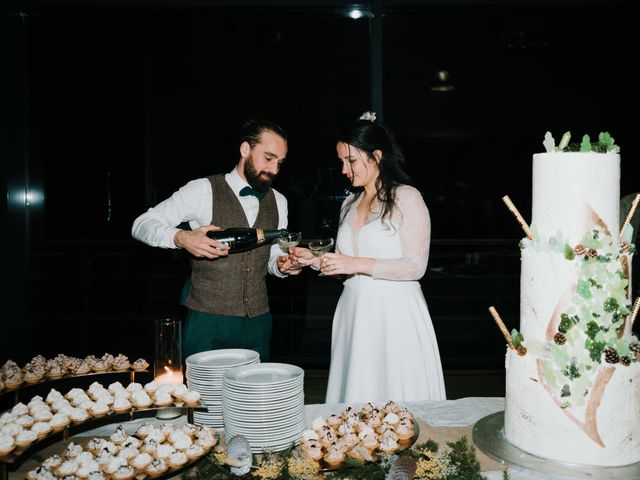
{"x": 246, "y": 191}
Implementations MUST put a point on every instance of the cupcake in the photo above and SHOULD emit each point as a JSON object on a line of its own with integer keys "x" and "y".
{"x": 151, "y": 387}
{"x": 42, "y": 429}
{"x": 194, "y": 451}
{"x": 177, "y": 459}
{"x": 7, "y": 444}
{"x": 156, "y": 467}
{"x": 141, "y": 461}
{"x": 119, "y": 436}
{"x": 140, "y": 399}
{"x": 25, "y": 438}
{"x": 140, "y": 365}
{"x": 59, "y": 421}
{"x": 68, "y": 467}
{"x": 191, "y": 397}
{"x": 334, "y": 457}
{"x": 163, "y": 399}
{"x": 41, "y": 473}
{"x": 98, "y": 409}
{"x": 121, "y": 404}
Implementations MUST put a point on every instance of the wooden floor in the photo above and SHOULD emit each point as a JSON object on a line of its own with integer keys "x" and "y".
{"x": 458, "y": 383}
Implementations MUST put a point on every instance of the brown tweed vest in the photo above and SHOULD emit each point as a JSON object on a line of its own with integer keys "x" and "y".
{"x": 235, "y": 285}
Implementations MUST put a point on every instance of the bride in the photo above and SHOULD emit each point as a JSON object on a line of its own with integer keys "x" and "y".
{"x": 383, "y": 346}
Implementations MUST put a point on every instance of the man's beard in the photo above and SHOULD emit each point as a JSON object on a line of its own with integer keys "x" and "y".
{"x": 255, "y": 178}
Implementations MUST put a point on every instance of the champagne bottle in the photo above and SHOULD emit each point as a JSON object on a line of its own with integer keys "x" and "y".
{"x": 241, "y": 239}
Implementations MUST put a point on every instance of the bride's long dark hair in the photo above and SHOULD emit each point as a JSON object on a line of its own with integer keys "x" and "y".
{"x": 368, "y": 136}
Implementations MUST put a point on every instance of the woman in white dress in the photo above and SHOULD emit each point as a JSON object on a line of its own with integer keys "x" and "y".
{"x": 383, "y": 344}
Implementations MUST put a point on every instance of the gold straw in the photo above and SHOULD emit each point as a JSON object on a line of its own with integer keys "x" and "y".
{"x": 634, "y": 311}
{"x": 501, "y": 326}
{"x": 519, "y": 218}
{"x": 632, "y": 210}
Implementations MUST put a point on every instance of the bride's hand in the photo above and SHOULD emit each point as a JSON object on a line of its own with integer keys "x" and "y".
{"x": 336, "y": 264}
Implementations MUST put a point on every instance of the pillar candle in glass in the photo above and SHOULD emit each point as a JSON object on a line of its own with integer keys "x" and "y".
{"x": 167, "y": 365}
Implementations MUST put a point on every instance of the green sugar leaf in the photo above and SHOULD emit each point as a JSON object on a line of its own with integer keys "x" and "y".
{"x": 585, "y": 146}
{"x": 564, "y": 141}
{"x": 569, "y": 253}
{"x": 584, "y": 289}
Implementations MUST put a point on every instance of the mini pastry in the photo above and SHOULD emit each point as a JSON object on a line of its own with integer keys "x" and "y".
{"x": 119, "y": 436}
{"x": 7, "y": 417}
{"x": 194, "y": 451}
{"x": 191, "y": 397}
{"x": 391, "y": 419}
{"x": 7, "y": 444}
{"x": 115, "y": 387}
{"x": 313, "y": 453}
{"x": 68, "y": 467}
{"x": 79, "y": 399}
{"x": 150, "y": 446}
{"x": 42, "y": 429}
{"x": 13, "y": 379}
{"x": 350, "y": 439}
{"x": 308, "y": 435}
{"x": 20, "y": 409}
{"x": 367, "y": 408}
{"x": 85, "y": 469}
{"x": 25, "y": 421}
{"x": 333, "y": 421}
{"x": 32, "y": 376}
{"x": 143, "y": 430}
{"x": 404, "y": 430}
{"x": 180, "y": 440}
{"x": 151, "y": 387}
{"x": 72, "y": 450}
{"x": 121, "y": 362}
{"x": 82, "y": 369}
{"x": 41, "y": 473}
{"x": 98, "y": 409}
{"x": 95, "y": 444}
{"x": 42, "y": 415}
{"x": 163, "y": 399}
{"x": 99, "y": 366}
{"x": 71, "y": 394}
{"x": 190, "y": 429}
{"x": 156, "y": 467}
{"x": 163, "y": 451}
{"x": 114, "y": 464}
{"x": 103, "y": 457}
{"x": 79, "y": 415}
{"x": 334, "y": 457}
{"x": 318, "y": 423}
{"x": 391, "y": 407}
{"x": 388, "y": 446}
{"x": 141, "y": 461}
{"x": 179, "y": 391}
{"x": 140, "y": 364}
{"x": 108, "y": 359}
{"x": 177, "y": 459}
{"x": 131, "y": 442}
{"x": 52, "y": 462}
{"x": 370, "y": 442}
{"x": 25, "y": 438}
{"x": 59, "y": 421}
{"x": 141, "y": 399}
{"x": 121, "y": 404}
{"x": 165, "y": 388}
{"x": 156, "y": 435}
{"x": 134, "y": 387}
{"x": 55, "y": 371}
{"x": 128, "y": 452}
{"x": 11, "y": 429}
{"x": 97, "y": 475}
{"x": 53, "y": 396}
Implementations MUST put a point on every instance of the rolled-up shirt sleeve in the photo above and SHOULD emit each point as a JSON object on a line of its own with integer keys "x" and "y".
{"x": 283, "y": 212}
{"x": 191, "y": 203}
{"x": 411, "y": 217}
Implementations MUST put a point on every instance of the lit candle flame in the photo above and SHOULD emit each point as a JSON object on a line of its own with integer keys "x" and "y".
{"x": 173, "y": 377}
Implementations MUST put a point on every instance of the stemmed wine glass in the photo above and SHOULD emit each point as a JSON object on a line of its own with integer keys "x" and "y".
{"x": 289, "y": 240}
{"x": 320, "y": 247}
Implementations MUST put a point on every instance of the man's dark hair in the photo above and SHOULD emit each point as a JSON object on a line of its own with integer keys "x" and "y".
{"x": 253, "y": 129}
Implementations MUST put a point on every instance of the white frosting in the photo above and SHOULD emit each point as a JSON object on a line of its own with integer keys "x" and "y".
{"x": 567, "y": 184}
{"x": 572, "y": 193}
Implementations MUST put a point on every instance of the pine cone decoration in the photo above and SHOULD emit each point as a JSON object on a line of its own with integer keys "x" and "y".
{"x": 611, "y": 356}
{"x": 559, "y": 338}
{"x": 522, "y": 350}
{"x": 624, "y": 360}
{"x": 591, "y": 253}
{"x": 624, "y": 246}
{"x": 634, "y": 347}
{"x": 579, "y": 249}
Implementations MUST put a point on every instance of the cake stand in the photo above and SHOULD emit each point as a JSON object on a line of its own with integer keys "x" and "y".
{"x": 488, "y": 435}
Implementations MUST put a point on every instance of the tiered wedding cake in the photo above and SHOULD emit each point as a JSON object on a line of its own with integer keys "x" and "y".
{"x": 573, "y": 391}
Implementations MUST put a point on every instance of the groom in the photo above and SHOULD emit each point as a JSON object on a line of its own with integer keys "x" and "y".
{"x": 226, "y": 296}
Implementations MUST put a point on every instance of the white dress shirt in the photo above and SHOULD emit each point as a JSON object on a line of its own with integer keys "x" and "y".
{"x": 192, "y": 203}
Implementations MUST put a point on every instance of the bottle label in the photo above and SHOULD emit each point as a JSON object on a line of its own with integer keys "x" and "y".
{"x": 260, "y": 235}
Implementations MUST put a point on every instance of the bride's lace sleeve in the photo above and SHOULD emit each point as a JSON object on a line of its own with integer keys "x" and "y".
{"x": 411, "y": 217}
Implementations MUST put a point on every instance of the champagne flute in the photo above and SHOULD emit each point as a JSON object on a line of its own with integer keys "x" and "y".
{"x": 289, "y": 240}
{"x": 320, "y": 247}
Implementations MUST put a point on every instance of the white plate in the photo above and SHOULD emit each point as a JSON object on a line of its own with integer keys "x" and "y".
{"x": 222, "y": 358}
{"x": 263, "y": 374}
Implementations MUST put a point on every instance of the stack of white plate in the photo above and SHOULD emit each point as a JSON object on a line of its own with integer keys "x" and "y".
{"x": 204, "y": 375}
{"x": 265, "y": 403}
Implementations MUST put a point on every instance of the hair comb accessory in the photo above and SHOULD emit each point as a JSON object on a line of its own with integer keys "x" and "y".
{"x": 371, "y": 116}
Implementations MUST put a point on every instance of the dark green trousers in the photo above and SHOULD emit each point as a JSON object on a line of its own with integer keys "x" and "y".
{"x": 205, "y": 331}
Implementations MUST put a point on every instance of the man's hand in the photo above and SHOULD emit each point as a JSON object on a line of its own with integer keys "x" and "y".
{"x": 199, "y": 245}
{"x": 288, "y": 265}
{"x": 304, "y": 257}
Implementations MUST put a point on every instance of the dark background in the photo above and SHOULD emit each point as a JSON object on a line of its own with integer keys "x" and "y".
{"x": 111, "y": 106}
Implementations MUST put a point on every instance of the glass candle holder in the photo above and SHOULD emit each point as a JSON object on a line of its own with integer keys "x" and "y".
{"x": 167, "y": 365}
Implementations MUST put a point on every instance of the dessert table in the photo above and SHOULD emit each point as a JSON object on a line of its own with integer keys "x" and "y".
{"x": 441, "y": 421}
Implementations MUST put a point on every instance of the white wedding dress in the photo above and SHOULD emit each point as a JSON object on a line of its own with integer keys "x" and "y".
{"x": 383, "y": 346}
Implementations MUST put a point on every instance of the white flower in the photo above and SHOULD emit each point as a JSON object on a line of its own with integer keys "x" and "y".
{"x": 371, "y": 116}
